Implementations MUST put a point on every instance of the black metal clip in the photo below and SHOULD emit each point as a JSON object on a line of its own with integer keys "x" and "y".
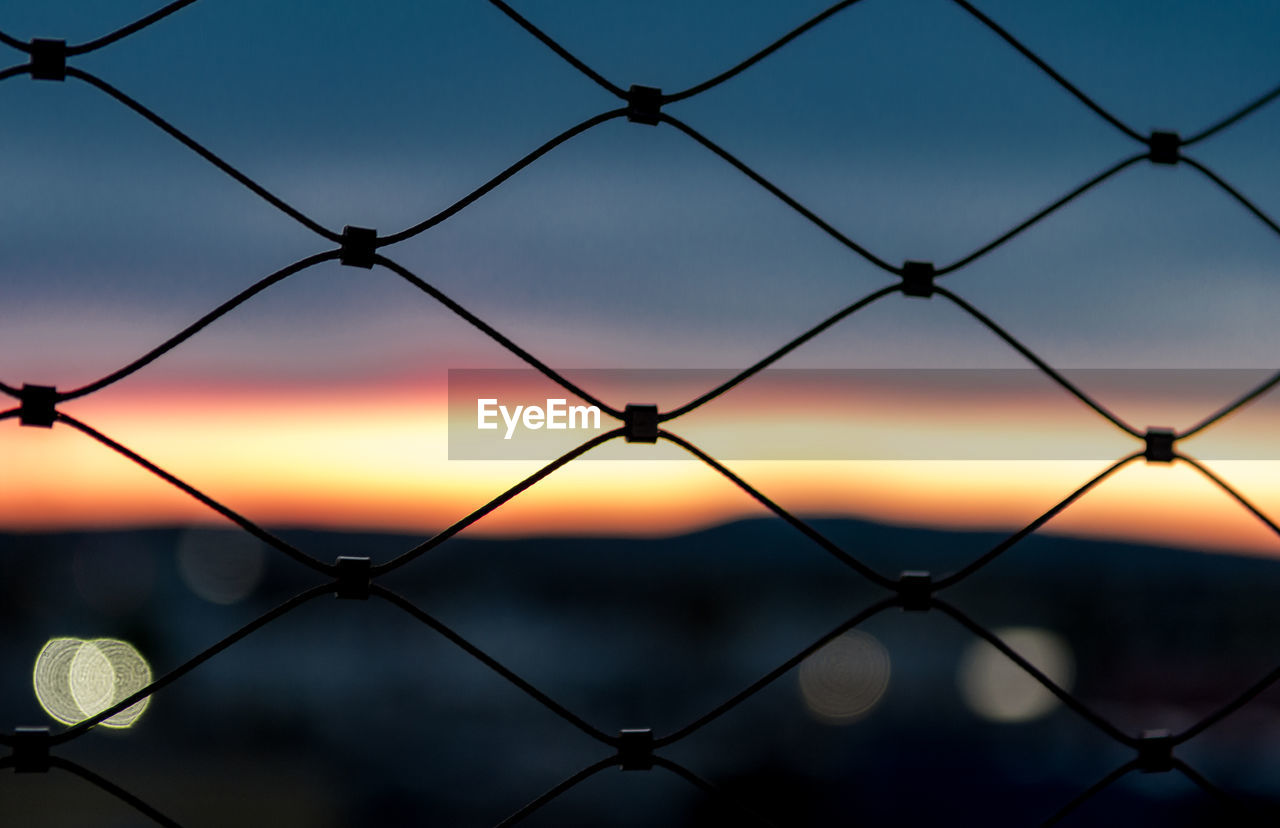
{"x": 1159, "y": 445}
{"x": 1155, "y": 751}
{"x": 48, "y": 59}
{"x": 359, "y": 246}
{"x": 31, "y": 750}
{"x": 355, "y": 576}
{"x": 640, "y": 423}
{"x": 917, "y": 279}
{"x": 635, "y": 749}
{"x": 38, "y": 403}
{"x": 915, "y": 590}
{"x": 1164, "y": 147}
{"x": 644, "y": 105}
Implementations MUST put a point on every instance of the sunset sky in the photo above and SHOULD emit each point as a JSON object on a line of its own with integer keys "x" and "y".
{"x": 904, "y": 123}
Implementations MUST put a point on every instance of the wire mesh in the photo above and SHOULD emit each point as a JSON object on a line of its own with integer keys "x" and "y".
{"x": 358, "y": 578}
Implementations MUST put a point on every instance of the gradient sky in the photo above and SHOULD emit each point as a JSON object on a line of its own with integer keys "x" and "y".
{"x": 905, "y": 123}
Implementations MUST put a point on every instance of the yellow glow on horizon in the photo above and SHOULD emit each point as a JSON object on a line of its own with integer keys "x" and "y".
{"x": 378, "y": 459}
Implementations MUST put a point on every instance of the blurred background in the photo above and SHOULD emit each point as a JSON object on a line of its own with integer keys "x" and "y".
{"x": 639, "y": 594}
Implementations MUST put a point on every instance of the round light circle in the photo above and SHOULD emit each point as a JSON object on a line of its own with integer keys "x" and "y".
{"x": 996, "y": 688}
{"x": 75, "y": 679}
{"x": 220, "y": 567}
{"x": 844, "y": 679}
{"x": 92, "y": 679}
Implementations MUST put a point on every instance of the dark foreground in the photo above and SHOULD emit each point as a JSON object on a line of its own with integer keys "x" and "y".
{"x": 349, "y": 712}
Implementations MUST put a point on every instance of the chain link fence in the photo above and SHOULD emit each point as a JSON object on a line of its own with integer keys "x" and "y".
{"x": 37, "y": 749}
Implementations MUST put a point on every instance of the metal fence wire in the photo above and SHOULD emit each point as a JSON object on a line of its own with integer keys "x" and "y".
{"x": 35, "y": 749}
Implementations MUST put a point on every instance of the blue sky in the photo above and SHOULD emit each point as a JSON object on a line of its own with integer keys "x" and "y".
{"x": 905, "y": 123}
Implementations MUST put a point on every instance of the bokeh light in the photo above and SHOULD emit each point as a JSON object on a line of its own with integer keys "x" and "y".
{"x": 842, "y": 681}
{"x": 220, "y": 567}
{"x": 114, "y": 575}
{"x": 75, "y": 679}
{"x": 997, "y": 689}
